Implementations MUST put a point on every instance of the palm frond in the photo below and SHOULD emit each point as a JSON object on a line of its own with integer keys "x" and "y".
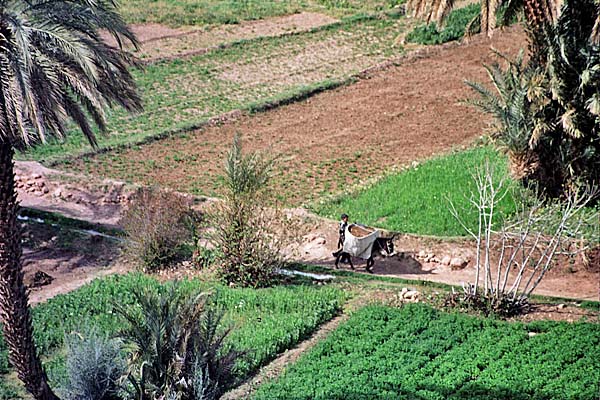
{"x": 55, "y": 66}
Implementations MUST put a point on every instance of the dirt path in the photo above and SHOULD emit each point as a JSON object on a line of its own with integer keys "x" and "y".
{"x": 278, "y": 366}
{"x": 334, "y": 139}
{"x": 419, "y": 258}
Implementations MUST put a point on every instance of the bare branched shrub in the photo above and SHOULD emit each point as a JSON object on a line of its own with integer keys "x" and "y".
{"x": 95, "y": 367}
{"x": 512, "y": 260}
{"x": 156, "y": 224}
{"x": 250, "y": 230}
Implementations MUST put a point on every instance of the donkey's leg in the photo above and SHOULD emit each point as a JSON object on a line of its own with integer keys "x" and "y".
{"x": 337, "y": 258}
{"x": 350, "y": 261}
{"x": 370, "y": 263}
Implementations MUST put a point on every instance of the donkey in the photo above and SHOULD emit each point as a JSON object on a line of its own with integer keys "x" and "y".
{"x": 380, "y": 244}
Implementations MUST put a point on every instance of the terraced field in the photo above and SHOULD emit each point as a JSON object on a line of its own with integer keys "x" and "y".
{"x": 202, "y": 12}
{"x": 181, "y": 94}
{"x": 331, "y": 141}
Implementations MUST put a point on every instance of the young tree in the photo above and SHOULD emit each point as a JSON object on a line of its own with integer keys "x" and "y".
{"x": 511, "y": 261}
{"x": 54, "y": 67}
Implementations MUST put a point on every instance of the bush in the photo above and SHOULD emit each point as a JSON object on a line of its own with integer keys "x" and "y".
{"x": 177, "y": 346}
{"x": 250, "y": 231}
{"x": 157, "y": 225}
{"x": 95, "y": 366}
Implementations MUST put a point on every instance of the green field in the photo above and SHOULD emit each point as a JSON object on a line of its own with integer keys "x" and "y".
{"x": 265, "y": 321}
{"x": 201, "y": 12}
{"x": 416, "y": 352}
{"x": 181, "y": 94}
{"x": 417, "y": 200}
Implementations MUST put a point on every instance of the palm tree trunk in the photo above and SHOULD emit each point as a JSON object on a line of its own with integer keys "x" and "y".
{"x": 538, "y": 13}
{"x": 14, "y": 308}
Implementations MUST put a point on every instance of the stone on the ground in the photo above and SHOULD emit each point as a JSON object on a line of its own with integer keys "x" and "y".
{"x": 446, "y": 260}
{"x": 320, "y": 240}
{"x": 458, "y": 263}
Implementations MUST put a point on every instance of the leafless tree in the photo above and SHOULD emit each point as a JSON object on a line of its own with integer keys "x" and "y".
{"x": 528, "y": 245}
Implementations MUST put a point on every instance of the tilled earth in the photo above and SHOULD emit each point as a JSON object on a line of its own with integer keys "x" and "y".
{"x": 390, "y": 118}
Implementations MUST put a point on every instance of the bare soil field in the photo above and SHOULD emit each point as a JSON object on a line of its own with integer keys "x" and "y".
{"x": 335, "y": 139}
{"x": 159, "y": 42}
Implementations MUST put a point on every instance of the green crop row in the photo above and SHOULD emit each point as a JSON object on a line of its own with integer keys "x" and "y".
{"x": 416, "y": 352}
{"x": 265, "y": 321}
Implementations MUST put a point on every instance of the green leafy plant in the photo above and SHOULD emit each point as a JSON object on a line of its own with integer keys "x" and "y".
{"x": 421, "y": 353}
{"x": 176, "y": 342}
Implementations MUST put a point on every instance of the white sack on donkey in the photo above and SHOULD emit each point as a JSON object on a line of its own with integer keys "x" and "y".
{"x": 362, "y": 241}
{"x": 361, "y": 244}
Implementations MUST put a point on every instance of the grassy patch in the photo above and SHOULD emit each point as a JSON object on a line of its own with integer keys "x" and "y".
{"x": 180, "y": 95}
{"x": 453, "y": 28}
{"x": 417, "y": 200}
{"x": 419, "y": 353}
{"x": 265, "y": 321}
{"x": 201, "y": 12}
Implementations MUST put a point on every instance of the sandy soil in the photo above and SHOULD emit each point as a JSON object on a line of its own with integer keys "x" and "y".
{"x": 391, "y": 118}
{"x": 159, "y": 42}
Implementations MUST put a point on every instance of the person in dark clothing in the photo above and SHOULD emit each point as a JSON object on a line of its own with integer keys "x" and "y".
{"x": 342, "y": 230}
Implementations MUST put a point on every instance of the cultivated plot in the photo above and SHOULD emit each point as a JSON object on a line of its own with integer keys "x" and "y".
{"x": 333, "y": 140}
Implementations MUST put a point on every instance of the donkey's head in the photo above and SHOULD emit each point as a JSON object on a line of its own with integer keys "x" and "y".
{"x": 387, "y": 245}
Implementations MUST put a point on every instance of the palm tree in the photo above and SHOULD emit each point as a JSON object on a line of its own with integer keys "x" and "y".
{"x": 54, "y": 67}
{"x": 177, "y": 345}
{"x": 537, "y": 14}
{"x": 548, "y": 116}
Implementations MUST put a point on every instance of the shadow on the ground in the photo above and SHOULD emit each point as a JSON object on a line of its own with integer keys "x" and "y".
{"x": 398, "y": 264}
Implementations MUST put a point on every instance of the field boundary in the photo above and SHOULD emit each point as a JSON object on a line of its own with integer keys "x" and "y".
{"x": 276, "y": 367}
{"x": 281, "y": 100}
{"x": 240, "y": 42}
